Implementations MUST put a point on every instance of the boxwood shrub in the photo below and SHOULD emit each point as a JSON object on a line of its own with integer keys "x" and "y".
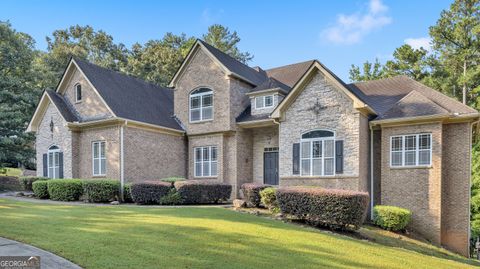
{"x": 127, "y": 193}
{"x": 269, "y": 198}
{"x": 65, "y": 189}
{"x": 26, "y": 182}
{"x": 149, "y": 192}
{"x": 40, "y": 189}
{"x": 101, "y": 190}
{"x": 251, "y": 193}
{"x": 391, "y": 217}
{"x": 335, "y": 209}
{"x": 203, "y": 192}
{"x": 172, "y": 198}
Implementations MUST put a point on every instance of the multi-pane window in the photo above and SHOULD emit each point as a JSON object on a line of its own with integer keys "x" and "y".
{"x": 318, "y": 153}
{"x": 78, "y": 93}
{"x": 205, "y": 161}
{"x": 99, "y": 159}
{"x": 53, "y": 161}
{"x": 411, "y": 150}
{"x": 201, "y": 105}
{"x": 264, "y": 101}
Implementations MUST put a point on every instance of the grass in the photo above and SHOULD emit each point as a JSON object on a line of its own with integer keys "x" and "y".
{"x": 13, "y": 172}
{"x": 200, "y": 237}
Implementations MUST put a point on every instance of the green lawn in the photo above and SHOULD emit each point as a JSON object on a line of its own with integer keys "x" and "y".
{"x": 13, "y": 172}
{"x": 196, "y": 237}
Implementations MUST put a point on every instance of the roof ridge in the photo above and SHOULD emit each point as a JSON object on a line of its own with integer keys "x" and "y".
{"x": 288, "y": 65}
{"x": 211, "y": 46}
{"x": 380, "y": 79}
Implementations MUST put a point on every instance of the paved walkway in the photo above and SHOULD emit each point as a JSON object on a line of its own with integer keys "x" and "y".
{"x": 47, "y": 260}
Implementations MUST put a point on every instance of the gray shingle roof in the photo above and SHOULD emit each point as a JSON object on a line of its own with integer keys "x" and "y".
{"x": 132, "y": 98}
{"x": 384, "y": 94}
{"x": 236, "y": 67}
{"x": 271, "y": 83}
{"x": 290, "y": 74}
{"x": 62, "y": 105}
{"x": 247, "y": 116}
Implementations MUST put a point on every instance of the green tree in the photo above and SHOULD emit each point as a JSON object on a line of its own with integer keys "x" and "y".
{"x": 370, "y": 71}
{"x": 408, "y": 61}
{"x": 18, "y": 95}
{"x": 456, "y": 38}
{"x": 85, "y": 43}
{"x": 220, "y": 37}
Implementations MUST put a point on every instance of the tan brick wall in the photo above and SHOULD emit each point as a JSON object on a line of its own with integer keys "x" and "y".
{"x": 417, "y": 189}
{"x": 339, "y": 115}
{"x": 91, "y": 107}
{"x": 377, "y": 166}
{"x": 152, "y": 155}
{"x": 456, "y": 146}
{"x": 111, "y": 135}
{"x": 202, "y": 71}
{"x": 343, "y": 183}
{"x": 238, "y": 100}
{"x": 364, "y": 155}
{"x": 61, "y": 137}
{"x": 244, "y": 152}
{"x": 262, "y": 138}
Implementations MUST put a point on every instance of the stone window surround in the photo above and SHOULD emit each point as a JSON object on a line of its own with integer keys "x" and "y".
{"x": 416, "y": 150}
{"x": 78, "y": 87}
{"x": 322, "y": 158}
{"x": 192, "y": 94}
{"x": 210, "y": 161}
{"x": 99, "y": 158}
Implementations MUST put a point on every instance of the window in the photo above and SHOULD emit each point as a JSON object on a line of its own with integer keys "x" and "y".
{"x": 317, "y": 153}
{"x": 53, "y": 160}
{"x": 201, "y": 105}
{"x": 264, "y": 101}
{"x": 98, "y": 158}
{"x": 411, "y": 150}
{"x": 205, "y": 161}
{"x": 78, "y": 93}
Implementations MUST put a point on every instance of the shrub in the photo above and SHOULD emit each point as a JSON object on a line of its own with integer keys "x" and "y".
{"x": 172, "y": 198}
{"x": 203, "y": 192}
{"x": 65, "y": 189}
{"x": 336, "y": 209}
{"x": 269, "y": 198}
{"x": 127, "y": 193}
{"x": 101, "y": 190}
{"x": 26, "y": 182}
{"x": 172, "y": 180}
{"x": 149, "y": 192}
{"x": 251, "y": 193}
{"x": 391, "y": 217}
{"x": 40, "y": 189}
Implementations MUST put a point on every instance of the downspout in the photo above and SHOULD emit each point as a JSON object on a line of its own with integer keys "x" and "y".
{"x": 122, "y": 178}
{"x": 371, "y": 172}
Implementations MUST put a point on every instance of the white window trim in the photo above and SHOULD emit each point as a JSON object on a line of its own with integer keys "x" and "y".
{"x": 201, "y": 106}
{"x": 201, "y": 162}
{"x": 417, "y": 151}
{"x": 75, "y": 92}
{"x": 56, "y": 154}
{"x": 322, "y": 140}
{"x": 264, "y": 97}
{"x": 99, "y": 158}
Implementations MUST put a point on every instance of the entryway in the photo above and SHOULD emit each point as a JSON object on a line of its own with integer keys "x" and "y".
{"x": 270, "y": 166}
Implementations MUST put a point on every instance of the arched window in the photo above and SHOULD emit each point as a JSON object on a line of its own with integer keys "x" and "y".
{"x": 54, "y": 160}
{"x": 78, "y": 92}
{"x": 201, "y": 105}
{"x": 317, "y": 153}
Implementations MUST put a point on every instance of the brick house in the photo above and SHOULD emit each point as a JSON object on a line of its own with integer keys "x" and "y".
{"x": 404, "y": 143}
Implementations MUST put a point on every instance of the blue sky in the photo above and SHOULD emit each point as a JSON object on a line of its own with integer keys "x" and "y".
{"x": 338, "y": 33}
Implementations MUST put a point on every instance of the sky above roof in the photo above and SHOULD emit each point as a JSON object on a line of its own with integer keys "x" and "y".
{"x": 338, "y": 33}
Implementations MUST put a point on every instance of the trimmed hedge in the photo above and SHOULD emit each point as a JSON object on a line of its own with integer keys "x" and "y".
{"x": 127, "y": 193}
{"x": 336, "y": 209}
{"x": 8, "y": 183}
{"x": 149, "y": 192}
{"x": 251, "y": 193}
{"x": 203, "y": 192}
{"x": 269, "y": 198}
{"x": 40, "y": 189}
{"x": 65, "y": 189}
{"x": 101, "y": 190}
{"x": 26, "y": 182}
{"x": 391, "y": 217}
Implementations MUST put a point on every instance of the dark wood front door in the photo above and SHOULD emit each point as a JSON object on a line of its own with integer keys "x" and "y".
{"x": 270, "y": 168}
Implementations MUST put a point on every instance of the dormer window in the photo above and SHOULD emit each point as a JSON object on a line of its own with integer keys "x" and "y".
{"x": 78, "y": 93}
{"x": 201, "y": 105}
{"x": 265, "y": 101}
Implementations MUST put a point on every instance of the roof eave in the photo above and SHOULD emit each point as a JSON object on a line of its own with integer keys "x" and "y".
{"x": 453, "y": 117}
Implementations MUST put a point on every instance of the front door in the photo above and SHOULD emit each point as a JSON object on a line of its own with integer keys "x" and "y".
{"x": 270, "y": 168}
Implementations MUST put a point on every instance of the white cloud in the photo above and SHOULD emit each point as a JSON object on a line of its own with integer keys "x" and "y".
{"x": 211, "y": 16}
{"x": 421, "y": 42}
{"x": 350, "y": 29}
